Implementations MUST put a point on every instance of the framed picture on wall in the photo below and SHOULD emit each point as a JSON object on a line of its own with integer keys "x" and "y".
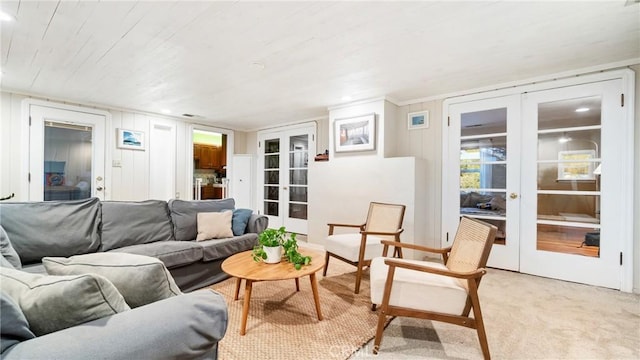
{"x": 355, "y": 133}
{"x": 130, "y": 139}
{"x": 418, "y": 120}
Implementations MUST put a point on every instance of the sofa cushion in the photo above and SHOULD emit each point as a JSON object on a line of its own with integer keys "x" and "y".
{"x": 52, "y": 228}
{"x": 14, "y": 325}
{"x": 7, "y": 250}
{"x": 214, "y": 225}
{"x": 184, "y": 214}
{"x": 127, "y": 223}
{"x": 240, "y": 220}
{"x": 222, "y": 248}
{"x": 52, "y": 303}
{"x": 140, "y": 279}
{"x": 171, "y": 253}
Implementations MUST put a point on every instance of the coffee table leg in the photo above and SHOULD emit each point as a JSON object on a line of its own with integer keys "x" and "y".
{"x": 238, "y": 282}
{"x": 316, "y": 297}
{"x": 245, "y": 307}
{"x": 297, "y": 284}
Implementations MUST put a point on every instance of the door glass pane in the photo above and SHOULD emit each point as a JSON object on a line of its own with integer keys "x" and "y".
{"x": 67, "y": 161}
{"x": 298, "y": 169}
{"x": 483, "y": 167}
{"x": 569, "y": 149}
{"x": 271, "y": 177}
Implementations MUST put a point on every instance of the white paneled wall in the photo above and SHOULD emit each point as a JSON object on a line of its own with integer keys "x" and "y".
{"x": 129, "y": 174}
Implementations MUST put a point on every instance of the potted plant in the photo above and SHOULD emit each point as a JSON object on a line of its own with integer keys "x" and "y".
{"x": 272, "y": 242}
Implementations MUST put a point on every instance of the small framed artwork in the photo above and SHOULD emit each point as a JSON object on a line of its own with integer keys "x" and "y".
{"x": 576, "y": 165}
{"x": 418, "y": 120}
{"x": 130, "y": 139}
{"x": 355, "y": 133}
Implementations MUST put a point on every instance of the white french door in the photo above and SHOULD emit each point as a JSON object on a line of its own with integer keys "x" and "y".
{"x": 483, "y": 162}
{"x": 66, "y": 154}
{"x": 283, "y": 181}
{"x": 571, "y": 224}
{"x": 552, "y": 168}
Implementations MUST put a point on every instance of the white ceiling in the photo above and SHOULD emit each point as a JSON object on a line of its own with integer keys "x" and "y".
{"x": 249, "y": 65}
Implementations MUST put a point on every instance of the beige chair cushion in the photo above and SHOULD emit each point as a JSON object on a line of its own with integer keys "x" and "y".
{"x": 348, "y": 246}
{"x": 214, "y": 225}
{"x": 418, "y": 290}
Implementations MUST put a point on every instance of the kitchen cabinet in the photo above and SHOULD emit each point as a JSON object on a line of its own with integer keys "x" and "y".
{"x": 209, "y": 192}
{"x": 208, "y": 156}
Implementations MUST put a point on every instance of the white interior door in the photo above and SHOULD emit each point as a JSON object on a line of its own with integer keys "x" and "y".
{"x": 572, "y": 183}
{"x": 483, "y": 171}
{"x": 283, "y": 184}
{"x": 66, "y": 154}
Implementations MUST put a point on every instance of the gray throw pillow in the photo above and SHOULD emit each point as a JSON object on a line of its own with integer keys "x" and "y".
{"x": 14, "y": 325}
{"x": 239, "y": 221}
{"x": 7, "y": 250}
{"x": 52, "y": 303}
{"x": 140, "y": 279}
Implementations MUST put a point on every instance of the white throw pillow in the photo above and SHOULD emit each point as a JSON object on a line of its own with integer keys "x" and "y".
{"x": 52, "y": 303}
{"x": 140, "y": 279}
{"x": 214, "y": 225}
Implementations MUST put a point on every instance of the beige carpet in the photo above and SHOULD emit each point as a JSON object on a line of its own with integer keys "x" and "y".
{"x": 283, "y": 324}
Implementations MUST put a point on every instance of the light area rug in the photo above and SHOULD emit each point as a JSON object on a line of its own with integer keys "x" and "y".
{"x": 526, "y": 317}
{"x": 283, "y": 323}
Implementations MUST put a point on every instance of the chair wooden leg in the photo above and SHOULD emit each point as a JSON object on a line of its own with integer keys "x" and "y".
{"x": 358, "y": 278}
{"x": 379, "y": 331}
{"x": 373, "y": 307}
{"x": 326, "y": 264}
{"x": 477, "y": 315}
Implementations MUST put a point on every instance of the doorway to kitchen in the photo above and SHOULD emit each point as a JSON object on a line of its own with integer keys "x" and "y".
{"x": 210, "y": 164}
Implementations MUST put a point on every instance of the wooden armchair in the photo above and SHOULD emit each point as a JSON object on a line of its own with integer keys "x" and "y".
{"x": 384, "y": 222}
{"x": 428, "y": 290}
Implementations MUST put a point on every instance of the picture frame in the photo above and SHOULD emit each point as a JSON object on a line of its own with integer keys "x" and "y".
{"x": 576, "y": 165}
{"x": 355, "y": 133}
{"x": 130, "y": 139}
{"x": 418, "y": 120}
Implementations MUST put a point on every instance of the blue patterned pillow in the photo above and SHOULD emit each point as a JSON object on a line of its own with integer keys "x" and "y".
{"x": 239, "y": 221}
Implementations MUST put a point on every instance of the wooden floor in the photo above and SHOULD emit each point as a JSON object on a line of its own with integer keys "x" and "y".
{"x": 568, "y": 241}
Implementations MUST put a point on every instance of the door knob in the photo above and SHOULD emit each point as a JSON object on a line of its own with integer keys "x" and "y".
{"x": 513, "y": 195}
{"x": 99, "y": 188}
{"x": 284, "y": 188}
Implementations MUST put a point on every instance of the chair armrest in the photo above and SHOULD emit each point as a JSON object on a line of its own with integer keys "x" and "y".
{"x": 398, "y": 232}
{"x": 416, "y": 247}
{"x": 334, "y": 225}
{"x": 459, "y": 275}
{"x": 181, "y": 327}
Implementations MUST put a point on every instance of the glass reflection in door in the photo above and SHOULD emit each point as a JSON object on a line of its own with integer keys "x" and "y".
{"x": 483, "y": 168}
{"x": 67, "y": 161}
{"x": 272, "y": 177}
{"x": 568, "y": 218}
{"x": 298, "y": 170}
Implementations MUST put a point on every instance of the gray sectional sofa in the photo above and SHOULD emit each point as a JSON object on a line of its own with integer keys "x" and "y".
{"x": 165, "y": 230}
{"x": 185, "y": 326}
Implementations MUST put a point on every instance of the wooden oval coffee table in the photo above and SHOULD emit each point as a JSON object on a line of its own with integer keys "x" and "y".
{"x": 242, "y": 267}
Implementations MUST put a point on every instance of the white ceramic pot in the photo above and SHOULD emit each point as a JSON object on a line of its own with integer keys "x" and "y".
{"x": 274, "y": 254}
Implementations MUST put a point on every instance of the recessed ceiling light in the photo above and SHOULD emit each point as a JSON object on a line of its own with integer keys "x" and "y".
{"x": 346, "y": 98}
{"x": 582, "y": 109}
{"x": 5, "y": 17}
{"x": 166, "y": 111}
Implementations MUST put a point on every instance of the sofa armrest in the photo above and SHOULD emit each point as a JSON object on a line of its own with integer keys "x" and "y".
{"x": 187, "y": 326}
{"x": 257, "y": 224}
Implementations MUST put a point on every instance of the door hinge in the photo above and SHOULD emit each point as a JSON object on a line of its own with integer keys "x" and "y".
{"x": 620, "y": 258}
{"x": 448, "y": 121}
{"x": 259, "y": 142}
{"x": 29, "y": 177}
{"x": 447, "y": 236}
{"x": 621, "y": 100}
{"x": 29, "y": 120}
{"x": 313, "y": 138}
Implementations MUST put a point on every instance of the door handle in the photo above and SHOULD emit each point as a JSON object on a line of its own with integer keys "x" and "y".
{"x": 99, "y": 188}
{"x": 513, "y": 195}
